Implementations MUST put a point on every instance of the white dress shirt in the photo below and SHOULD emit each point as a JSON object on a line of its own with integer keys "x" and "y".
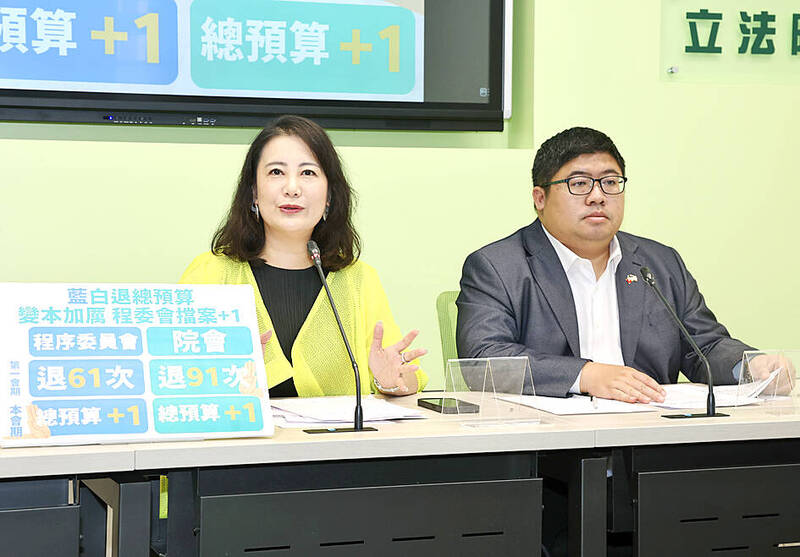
{"x": 595, "y": 304}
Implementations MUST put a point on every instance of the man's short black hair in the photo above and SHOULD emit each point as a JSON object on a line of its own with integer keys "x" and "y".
{"x": 565, "y": 146}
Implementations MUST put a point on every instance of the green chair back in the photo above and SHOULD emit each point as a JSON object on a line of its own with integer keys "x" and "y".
{"x": 447, "y": 312}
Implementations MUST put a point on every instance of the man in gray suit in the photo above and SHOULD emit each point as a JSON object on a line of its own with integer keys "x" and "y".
{"x": 567, "y": 291}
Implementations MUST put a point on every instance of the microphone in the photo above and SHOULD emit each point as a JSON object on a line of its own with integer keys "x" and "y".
{"x": 358, "y": 419}
{"x": 648, "y": 277}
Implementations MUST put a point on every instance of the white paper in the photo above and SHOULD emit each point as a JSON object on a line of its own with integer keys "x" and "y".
{"x": 577, "y": 404}
{"x": 695, "y": 395}
{"x": 339, "y": 409}
{"x": 286, "y": 419}
{"x": 753, "y": 389}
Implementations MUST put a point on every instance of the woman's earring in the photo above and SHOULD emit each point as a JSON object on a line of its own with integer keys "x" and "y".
{"x": 325, "y": 212}
{"x": 254, "y": 209}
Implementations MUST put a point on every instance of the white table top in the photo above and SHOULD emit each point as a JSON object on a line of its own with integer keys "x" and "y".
{"x": 745, "y": 423}
{"x": 410, "y": 438}
{"x": 51, "y": 461}
{"x": 438, "y": 435}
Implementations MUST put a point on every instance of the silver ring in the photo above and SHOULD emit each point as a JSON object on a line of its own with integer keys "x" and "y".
{"x": 403, "y": 358}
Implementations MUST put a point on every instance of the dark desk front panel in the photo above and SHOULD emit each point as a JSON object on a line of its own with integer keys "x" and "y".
{"x": 481, "y": 504}
{"x": 466, "y": 519}
{"x": 726, "y": 499}
{"x": 37, "y": 519}
{"x": 739, "y": 511}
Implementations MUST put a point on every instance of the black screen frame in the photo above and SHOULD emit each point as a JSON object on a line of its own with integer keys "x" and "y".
{"x": 19, "y": 105}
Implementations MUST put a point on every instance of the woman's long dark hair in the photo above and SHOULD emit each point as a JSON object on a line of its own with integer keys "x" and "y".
{"x": 242, "y": 237}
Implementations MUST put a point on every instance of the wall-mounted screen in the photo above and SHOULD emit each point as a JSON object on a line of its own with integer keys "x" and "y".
{"x": 402, "y": 64}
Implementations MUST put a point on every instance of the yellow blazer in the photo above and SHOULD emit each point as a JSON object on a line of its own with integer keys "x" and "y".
{"x": 320, "y": 362}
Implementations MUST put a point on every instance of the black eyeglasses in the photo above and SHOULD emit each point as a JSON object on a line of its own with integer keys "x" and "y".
{"x": 583, "y": 185}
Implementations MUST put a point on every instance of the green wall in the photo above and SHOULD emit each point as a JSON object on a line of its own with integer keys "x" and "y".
{"x": 711, "y": 167}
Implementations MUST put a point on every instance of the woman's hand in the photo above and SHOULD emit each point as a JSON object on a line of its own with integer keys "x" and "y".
{"x": 37, "y": 428}
{"x": 264, "y": 340}
{"x": 390, "y": 366}
{"x": 248, "y": 381}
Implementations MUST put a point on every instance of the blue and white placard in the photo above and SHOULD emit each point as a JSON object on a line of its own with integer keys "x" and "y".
{"x": 102, "y": 363}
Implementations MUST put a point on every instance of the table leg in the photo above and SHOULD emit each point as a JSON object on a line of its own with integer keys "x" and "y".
{"x": 587, "y": 500}
{"x": 129, "y": 505}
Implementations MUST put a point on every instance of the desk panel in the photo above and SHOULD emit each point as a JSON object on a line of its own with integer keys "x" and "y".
{"x": 467, "y": 519}
{"x": 432, "y": 505}
{"x": 51, "y": 531}
{"x": 720, "y": 511}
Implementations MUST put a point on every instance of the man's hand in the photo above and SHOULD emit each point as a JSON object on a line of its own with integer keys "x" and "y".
{"x": 620, "y": 383}
{"x": 762, "y": 365}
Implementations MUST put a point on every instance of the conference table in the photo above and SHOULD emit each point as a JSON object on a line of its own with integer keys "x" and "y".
{"x": 710, "y": 486}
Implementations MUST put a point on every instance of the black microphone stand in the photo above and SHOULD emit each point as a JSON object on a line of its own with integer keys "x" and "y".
{"x": 711, "y": 412}
{"x": 358, "y": 418}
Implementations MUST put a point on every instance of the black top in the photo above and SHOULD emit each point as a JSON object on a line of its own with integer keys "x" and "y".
{"x": 288, "y": 295}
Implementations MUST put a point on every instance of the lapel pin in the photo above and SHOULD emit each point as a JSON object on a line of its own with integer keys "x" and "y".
{"x": 631, "y": 278}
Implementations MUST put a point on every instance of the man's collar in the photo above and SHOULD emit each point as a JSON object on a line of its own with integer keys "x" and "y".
{"x": 567, "y": 257}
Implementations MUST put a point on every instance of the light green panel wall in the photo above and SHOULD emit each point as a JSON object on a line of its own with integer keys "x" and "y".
{"x": 712, "y": 167}
{"x": 95, "y": 211}
{"x": 422, "y": 211}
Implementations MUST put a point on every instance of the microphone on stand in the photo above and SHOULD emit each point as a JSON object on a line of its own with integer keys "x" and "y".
{"x": 648, "y": 277}
{"x": 358, "y": 419}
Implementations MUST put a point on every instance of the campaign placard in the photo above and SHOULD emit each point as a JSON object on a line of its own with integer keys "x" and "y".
{"x": 105, "y": 363}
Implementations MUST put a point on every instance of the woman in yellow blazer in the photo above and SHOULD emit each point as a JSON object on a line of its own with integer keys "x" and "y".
{"x": 291, "y": 190}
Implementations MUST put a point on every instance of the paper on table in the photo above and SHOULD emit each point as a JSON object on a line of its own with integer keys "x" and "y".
{"x": 694, "y": 395}
{"x": 576, "y": 404}
{"x": 755, "y": 388}
{"x": 339, "y": 409}
{"x": 286, "y": 419}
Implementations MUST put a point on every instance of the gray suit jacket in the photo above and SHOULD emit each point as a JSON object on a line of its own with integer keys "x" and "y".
{"x": 515, "y": 300}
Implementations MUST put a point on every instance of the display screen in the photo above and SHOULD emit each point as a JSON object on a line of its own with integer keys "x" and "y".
{"x": 226, "y": 63}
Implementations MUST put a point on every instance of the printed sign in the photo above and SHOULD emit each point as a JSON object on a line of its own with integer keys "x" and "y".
{"x": 747, "y": 41}
{"x": 89, "y": 363}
